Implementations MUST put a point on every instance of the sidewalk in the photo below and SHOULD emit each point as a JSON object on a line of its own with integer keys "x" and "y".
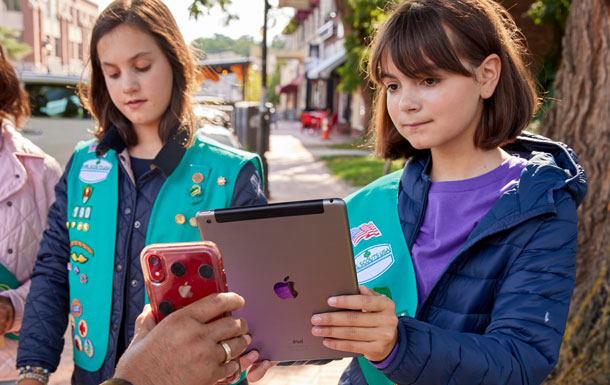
{"x": 294, "y": 171}
{"x": 294, "y": 174}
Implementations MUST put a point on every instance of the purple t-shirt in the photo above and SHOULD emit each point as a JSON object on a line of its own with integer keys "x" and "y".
{"x": 453, "y": 211}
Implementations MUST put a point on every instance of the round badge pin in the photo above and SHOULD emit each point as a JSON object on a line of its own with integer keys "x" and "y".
{"x": 197, "y": 177}
{"x": 193, "y": 222}
{"x": 195, "y": 190}
{"x": 85, "y": 227}
{"x": 88, "y": 348}
{"x": 180, "y": 219}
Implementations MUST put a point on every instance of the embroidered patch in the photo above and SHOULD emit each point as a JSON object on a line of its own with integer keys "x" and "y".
{"x": 78, "y": 343}
{"x": 94, "y": 170}
{"x": 88, "y": 348}
{"x": 363, "y": 232}
{"x": 78, "y": 258}
{"x": 72, "y": 322}
{"x": 77, "y": 309}
{"x": 81, "y": 244}
{"x": 83, "y": 279}
{"x": 83, "y": 328}
{"x": 197, "y": 177}
{"x": 87, "y": 191}
{"x": 373, "y": 261}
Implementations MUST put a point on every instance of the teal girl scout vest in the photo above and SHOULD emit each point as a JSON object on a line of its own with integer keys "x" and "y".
{"x": 8, "y": 281}
{"x": 203, "y": 180}
{"x": 382, "y": 258}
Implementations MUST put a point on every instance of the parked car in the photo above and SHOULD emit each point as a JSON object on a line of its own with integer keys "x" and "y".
{"x": 220, "y": 134}
{"x": 210, "y": 115}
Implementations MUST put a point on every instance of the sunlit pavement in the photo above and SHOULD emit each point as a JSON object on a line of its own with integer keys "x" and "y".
{"x": 294, "y": 174}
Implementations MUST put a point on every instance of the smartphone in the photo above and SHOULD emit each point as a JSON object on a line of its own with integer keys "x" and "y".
{"x": 177, "y": 274}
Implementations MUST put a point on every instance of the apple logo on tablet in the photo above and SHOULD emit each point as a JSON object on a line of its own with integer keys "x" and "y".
{"x": 285, "y": 289}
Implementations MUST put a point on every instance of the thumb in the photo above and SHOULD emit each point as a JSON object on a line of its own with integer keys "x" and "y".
{"x": 366, "y": 291}
{"x": 144, "y": 323}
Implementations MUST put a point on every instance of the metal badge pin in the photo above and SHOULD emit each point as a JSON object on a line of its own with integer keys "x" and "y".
{"x": 221, "y": 181}
{"x": 195, "y": 190}
{"x": 197, "y": 177}
{"x": 193, "y": 222}
{"x": 180, "y": 219}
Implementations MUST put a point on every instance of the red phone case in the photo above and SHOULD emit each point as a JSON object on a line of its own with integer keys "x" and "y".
{"x": 177, "y": 274}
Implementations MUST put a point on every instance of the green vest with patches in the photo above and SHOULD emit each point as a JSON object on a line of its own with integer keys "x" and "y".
{"x": 204, "y": 180}
{"x": 381, "y": 255}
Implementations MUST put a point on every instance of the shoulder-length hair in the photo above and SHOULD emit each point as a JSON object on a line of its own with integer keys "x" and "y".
{"x": 13, "y": 99}
{"x": 153, "y": 17}
{"x": 424, "y": 34}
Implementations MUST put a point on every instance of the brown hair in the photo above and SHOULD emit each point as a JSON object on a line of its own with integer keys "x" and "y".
{"x": 13, "y": 99}
{"x": 423, "y": 34}
{"x": 153, "y": 17}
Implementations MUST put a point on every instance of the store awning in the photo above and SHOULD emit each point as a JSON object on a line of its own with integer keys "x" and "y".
{"x": 289, "y": 87}
{"x": 324, "y": 69}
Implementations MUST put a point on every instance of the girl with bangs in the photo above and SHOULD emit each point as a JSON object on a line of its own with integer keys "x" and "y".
{"x": 467, "y": 256}
{"x": 140, "y": 181}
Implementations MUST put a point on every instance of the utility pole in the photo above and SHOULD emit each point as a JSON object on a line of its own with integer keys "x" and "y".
{"x": 263, "y": 133}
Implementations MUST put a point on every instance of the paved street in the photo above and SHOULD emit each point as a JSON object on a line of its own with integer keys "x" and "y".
{"x": 294, "y": 174}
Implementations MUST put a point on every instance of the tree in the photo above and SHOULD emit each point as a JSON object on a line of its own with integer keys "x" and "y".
{"x": 360, "y": 19}
{"x": 580, "y": 117}
{"x": 10, "y": 41}
{"x": 197, "y": 7}
{"x": 222, "y": 43}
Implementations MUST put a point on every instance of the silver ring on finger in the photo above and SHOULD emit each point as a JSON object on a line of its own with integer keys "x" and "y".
{"x": 228, "y": 353}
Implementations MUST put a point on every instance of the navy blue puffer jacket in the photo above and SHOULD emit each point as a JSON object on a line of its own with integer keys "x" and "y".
{"x": 497, "y": 314}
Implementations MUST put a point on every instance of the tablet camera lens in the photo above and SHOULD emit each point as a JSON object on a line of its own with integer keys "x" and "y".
{"x": 178, "y": 269}
{"x": 206, "y": 271}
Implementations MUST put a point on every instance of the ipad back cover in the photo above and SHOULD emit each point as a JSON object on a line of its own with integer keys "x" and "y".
{"x": 285, "y": 259}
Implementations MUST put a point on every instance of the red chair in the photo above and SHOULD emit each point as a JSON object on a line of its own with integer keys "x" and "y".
{"x": 332, "y": 121}
{"x": 310, "y": 121}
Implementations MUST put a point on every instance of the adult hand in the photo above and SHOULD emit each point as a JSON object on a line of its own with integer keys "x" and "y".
{"x": 185, "y": 347}
{"x": 371, "y": 331}
{"x": 7, "y": 314}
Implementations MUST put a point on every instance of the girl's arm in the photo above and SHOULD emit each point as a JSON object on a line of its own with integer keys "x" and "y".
{"x": 521, "y": 343}
{"x": 46, "y": 311}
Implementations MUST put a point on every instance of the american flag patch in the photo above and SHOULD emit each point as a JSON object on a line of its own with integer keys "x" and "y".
{"x": 92, "y": 147}
{"x": 363, "y": 232}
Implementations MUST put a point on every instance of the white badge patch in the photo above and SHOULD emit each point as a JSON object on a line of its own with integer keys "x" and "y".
{"x": 95, "y": 170}
{"x": 373, "y": 261}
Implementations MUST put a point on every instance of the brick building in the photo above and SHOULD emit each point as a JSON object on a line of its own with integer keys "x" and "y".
{"x": 57, "y": 30}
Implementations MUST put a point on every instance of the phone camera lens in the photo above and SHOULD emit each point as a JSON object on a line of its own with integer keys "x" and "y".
{"x": 206, "y": 271}
{"x": 154, "y": 261}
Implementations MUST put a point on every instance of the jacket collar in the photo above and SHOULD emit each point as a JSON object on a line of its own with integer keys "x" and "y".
{"x": 551, "y": 165}
{"x": 166, "y": 160}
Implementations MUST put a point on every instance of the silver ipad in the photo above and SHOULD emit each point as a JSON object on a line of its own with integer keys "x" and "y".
{"x": 285, "y": 259}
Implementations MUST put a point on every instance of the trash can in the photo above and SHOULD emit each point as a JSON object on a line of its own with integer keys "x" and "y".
{"x": 247, "y": 124}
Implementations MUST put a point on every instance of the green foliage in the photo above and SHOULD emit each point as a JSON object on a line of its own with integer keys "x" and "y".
{"x": 364, "y": 18}
{"x": 15, "y": 49}
{"x": 197, "y": 8}
{"x": 278, "y": 42}
{"x": 554, "y": 14}
{"x": 555, "y": 11}
{"x": 222, "y": 43}
{"x": 358, "y": 170}
{"x": 272, "y": 82}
